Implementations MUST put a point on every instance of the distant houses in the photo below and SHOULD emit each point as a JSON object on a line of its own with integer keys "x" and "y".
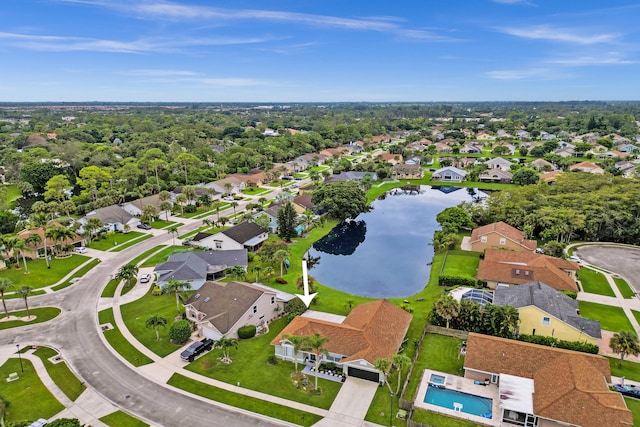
{"x": 449, "y": 174}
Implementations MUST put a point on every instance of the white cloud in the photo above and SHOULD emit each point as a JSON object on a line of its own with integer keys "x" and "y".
{"x": 592, "y": 60}
{"x": 529, "y": 73}
{"x": 547, "y": 32}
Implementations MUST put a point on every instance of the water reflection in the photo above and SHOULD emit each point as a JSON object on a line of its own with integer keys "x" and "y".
{"x": 343, "y": 239}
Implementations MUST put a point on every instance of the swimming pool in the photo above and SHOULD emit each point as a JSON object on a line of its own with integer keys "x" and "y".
{"x": 451, "y": 399}
{"x": 436, "y": 379}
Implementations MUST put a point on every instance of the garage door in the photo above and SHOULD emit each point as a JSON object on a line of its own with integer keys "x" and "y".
{"x": 361, "y": 373}
{"x": 208, "y": 333}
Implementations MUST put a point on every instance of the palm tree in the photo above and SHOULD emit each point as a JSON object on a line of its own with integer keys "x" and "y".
{"x": 234, "y": 205}
{"x": 166, "y": 207}
{"x": 257, "y": 269}
{"x": 24, "y": 292}
{"x": 224, "y": 343}
{"x": 181, "y": 199}
{"x": 624, "y": 342}
{"x": 176, "y": 286}
{"x": 383, "y": 365}
{"x": 34, "y": 240}
{"x": 19, "y": 246}
{"x": 63, "y": 234}
{"x": 446, "y": 307}
{"x": 173, "y": 230}
{"x": 297, "y": 342}
{"x": 400, "y": 361}
{"x": 127, "y": 273}
{"x": 280, "y": 257}
{"x": 316, "y": 344}
{"x": 6, "y": 285}
{"x": 155, "y": 322}
{"x": 41, "y": 220}
{"x": 92, "y": 225}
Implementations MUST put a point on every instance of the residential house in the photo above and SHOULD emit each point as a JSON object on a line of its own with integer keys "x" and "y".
{"x": 503, "y": 268}
{"x": 546, "y": 386}
{"x": 406, "y": 171}
{"x": 351, "y": 176}
{"x": 627, "y": 168}
{"x": 500, "y": 235}
{"x": 372, "y": 331}
{"x": 550, "y": 177}
{"x": 547, "y": 137}
{"x": 587, "y": 167}
{"x": 465, "y": 162}
{"x": 34, "y": 251}
{"x": 471, "y": 148}
{"x": 499, "y": 163}
{"x": 271, "y": 214}
{"x": 196, "y": 268}
{"x": 611, "y": 155}
{"x": 303, "y": 203}
{"x": 136, "y": 207}
{"x": 523, "y": 134}
{"x": 200, "y": 191}
{"x": 312, "y": 159}
{"x": 391, "y": 158}
{"x": 441, "y": 147}
{"x": 246, "y": 235}
{"x": 113, "y": 218}
{"x": 219, "y": 309}
{"x": 496, "y": 175}
{"x": 227, "y": 185}
{"x": 541, "y": 164}
{"x": 548, "y": 312}
{"x": 449, "y": 174}
{"x": 510, "y": 148}
{"x": 419, "y": 145}
{"x": 334, "y": 152}
{"x": 628, "y": 148}
{"x": 566, "y": 152}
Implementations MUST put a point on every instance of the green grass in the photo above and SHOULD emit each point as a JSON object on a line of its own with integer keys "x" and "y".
{"x": 251, "y": 358}
{"x": 434, "y": 419}
{"x": 28, "y": 398}
{"x": 110, "y": 290}
{"x": 160, "y": 224}
{"x": 594, "y": 282}
{"x": 611, "y": 318}
{"x": 144, "y": 255}
{"x": 122, "y": 419}
{"x": 114, "y": 239}
{"x": 634, "y": 407}
{"x": 461, "y": 264}
{"x": 118, "y": 341}
{"x": 252, "y": 191}
{"x": 624, "y": 287}
{"x": 12, "y": 192}
{"x": 77, "y": 274}
{"x": 60, "y": 373}
{"x": 33, "y": 294}
{"x": 43, "y": 314}
{"x": 241, "y": 401}
{"x": 39, "y": 275}
{"x": 136, "y": 313}
{"x": 629, "y": 370}
{"x": 122, "y": 247}
{"x": 163, "y": 255}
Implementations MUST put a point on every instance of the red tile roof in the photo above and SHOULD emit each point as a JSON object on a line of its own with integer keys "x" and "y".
{"x": 505, "y": 230}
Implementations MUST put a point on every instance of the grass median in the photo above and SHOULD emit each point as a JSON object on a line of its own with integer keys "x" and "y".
{"x": 119, "y": 343}
{"x": 60, "y": 373}
{"x": 42, "y": 314}
{"x": 39, "y": 275}
{"x": 122, "y": 419}
{"x": 84, "y": 270}
{"x": 594, "y": 282}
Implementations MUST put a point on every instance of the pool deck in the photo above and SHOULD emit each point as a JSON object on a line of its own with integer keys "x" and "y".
{"x": 465, "y": 385}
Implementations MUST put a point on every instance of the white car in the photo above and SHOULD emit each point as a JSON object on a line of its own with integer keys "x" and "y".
{"x": 81, "y": 250}
{"x": 574, "y": 259}
{"x": 145, "y": 278}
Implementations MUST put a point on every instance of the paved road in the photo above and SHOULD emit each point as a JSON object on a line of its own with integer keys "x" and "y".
{"x": 623, "y": 260}
{"x": 75, "y": 333}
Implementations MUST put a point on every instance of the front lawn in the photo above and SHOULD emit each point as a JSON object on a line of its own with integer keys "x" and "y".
{"x": 110, "y": 290}
{"x": 84, "y": 270}
{"x": 251, "y": 370}
{"x": 61, "y": 374}
{"x": 594, "y": 282}
{"x": 634, "y": 407}
{"x": 629, "y": 370}
{"x": 146, "y": 254}
{"x": 39, "y": 275}
{"x": 611, "y": 318}
{"x": 122, "y": 419}
{"x": 112, "y": 240}
{"x": 163, "y": 255}
{"x": 461, "y": 264}
{"x": 136, "y": 313}
{"x": 161, "y": 223}
{"x": 28, "y": 397}
{"x": 119, "y": 343}
{"x": 245, "y": 402}
{"x": 43, "y": 314}
{"x": 253, "y": 191}
{"x": 624, "y": 287}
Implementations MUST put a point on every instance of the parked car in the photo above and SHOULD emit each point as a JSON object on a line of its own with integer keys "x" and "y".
{"x": 574, "y": 259}
{"x": 144, "y": 226}
{"x": 81, "y": 250}
{"x": 196, "y": 349}
{"x": 145, "y": 278}
{"x": 539, "y": 250}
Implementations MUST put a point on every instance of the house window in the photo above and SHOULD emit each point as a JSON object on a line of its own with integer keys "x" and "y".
{"x": 503, "y": 240}
{"x": 255, "y": 308}
{"x": 546, "y": 321}
{"x": 218, "y": 244}
{"x": 483, "y": 239}
{"x": 273, "y": 300}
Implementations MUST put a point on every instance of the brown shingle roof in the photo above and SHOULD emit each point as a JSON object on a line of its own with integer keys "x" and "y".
{"x": 523, "y": 267}
{"x": 371, "y": 331}
{"x": 570, "y": 387}
{"x": 505, "y": 230}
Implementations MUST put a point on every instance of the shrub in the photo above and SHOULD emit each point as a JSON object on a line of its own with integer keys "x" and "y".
{"x": 272, "y": 359}
{"x": 65, "y": 422}
{"x": 456, "y": 281}
{"x": 554, "y": 342}
{"x": 190, "y": 208}
{"x": 180, "y": 331}
{"x": 571, "y": 294}
{"x": 295, "y": 306}
{"x": 251, "y": 256}
{"x": 281, "y": 280}
{"x": 246, "y": 332}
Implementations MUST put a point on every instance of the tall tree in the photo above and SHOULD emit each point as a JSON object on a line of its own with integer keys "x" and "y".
{"x": 176, "y": 286}
{"x": 225, "y": 343}
{"x": 280, "y": 257}
{"x": 287, "y": 222}
{"x": 25, "y": 292}
{"x": 40, "y": 220}
{"x": 156, "y": 321}
{"x": 316, "y": 344}
{"x": 446, "y": 307}
{"x": 400, "y": 361}
{"x": 298, "y": 343}
{"x": 624, "y": 343}
{"x": 383, "y": 365}
{"x": 173, "y": 230}
{"x": 6, "y": 285}
{"x": 341, "y": 200}
{"x": 127, "y": 273}
{"x": 19, "y": 246}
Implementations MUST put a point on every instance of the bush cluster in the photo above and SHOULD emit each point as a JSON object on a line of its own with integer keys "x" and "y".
{"x": 246, "y": 332}
{"x": 453, "y": 281}
{"x": 180, "y": 331}
{"x": 281, "y": 280}
{"x": 554, "y": 342}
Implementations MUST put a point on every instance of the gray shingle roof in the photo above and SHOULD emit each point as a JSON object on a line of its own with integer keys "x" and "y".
{"x": 186, "y": 266}
{"x": 111, "y": 214}
{"x": 550, "y": 301}
{"x": 244, "y": 231}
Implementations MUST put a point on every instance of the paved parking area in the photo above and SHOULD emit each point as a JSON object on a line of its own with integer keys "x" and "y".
{"x": 623, "y": 260}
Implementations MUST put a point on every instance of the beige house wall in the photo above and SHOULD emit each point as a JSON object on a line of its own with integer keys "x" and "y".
{"x": 494, "y": 242}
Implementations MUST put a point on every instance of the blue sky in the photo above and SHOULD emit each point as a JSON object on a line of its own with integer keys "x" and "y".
{"x": 319, "y": 51}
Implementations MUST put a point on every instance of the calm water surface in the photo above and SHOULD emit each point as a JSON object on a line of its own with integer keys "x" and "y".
{"x": 386, "y": 253}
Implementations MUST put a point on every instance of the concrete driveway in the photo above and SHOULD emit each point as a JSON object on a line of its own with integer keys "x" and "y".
{"x": 351, "y": 404}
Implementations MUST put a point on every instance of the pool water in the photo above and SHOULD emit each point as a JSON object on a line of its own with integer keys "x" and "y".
{"x": 445, "y": 398}
{"x": 436, "y": 379}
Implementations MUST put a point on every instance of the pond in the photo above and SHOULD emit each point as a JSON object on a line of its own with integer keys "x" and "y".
{"x": 386, "y": 253}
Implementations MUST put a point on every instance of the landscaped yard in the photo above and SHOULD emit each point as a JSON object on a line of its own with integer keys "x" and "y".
{"x": 634, "y": 407}
{"x": 611, "y": 318}
{"x": 119, "y": 342}
{"x": 28, "y": 398}
{"x": 42, "y": 314}
{"x": 624, "y": 288}
{"x": 461, "y": 264}
{"x": 122, "y": 419}
{"x": 629, "y": 370}
{"x": 114, "y": 239}
{"x": 594, "y": 282}
{"x": 145, "y": 254}
{"x": 163, "y": 255}
{"x": 253, "y": 191}
{"x": 161, "y": 223}
{"x": 39, "y": 275}
{"x": 241, "y": 401}
{"x": 77, "y": 274}
{"x": 434, "y": 419}
{"x": 61, "y": 374}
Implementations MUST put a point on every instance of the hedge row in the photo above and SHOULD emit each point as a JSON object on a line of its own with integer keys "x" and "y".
{"x": 554, "y": 342}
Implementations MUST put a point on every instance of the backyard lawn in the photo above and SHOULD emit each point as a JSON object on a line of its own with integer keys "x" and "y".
{"x": 461, "y": 264}
{"x": 119, "y": 342}
{"x": 43, "y": 314}
{"x": 624, "y": 288}
{"x": 28, "y": 398}
{"x": 594, "y": 282}
{"x": 39, "y": 275}
{"x": 114, "y": 239}
{"x": 122, "y": 419}
{"x": 431, "y": 418}
{"x": 611, "y": 318}
{"x": 61, "y": 374}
